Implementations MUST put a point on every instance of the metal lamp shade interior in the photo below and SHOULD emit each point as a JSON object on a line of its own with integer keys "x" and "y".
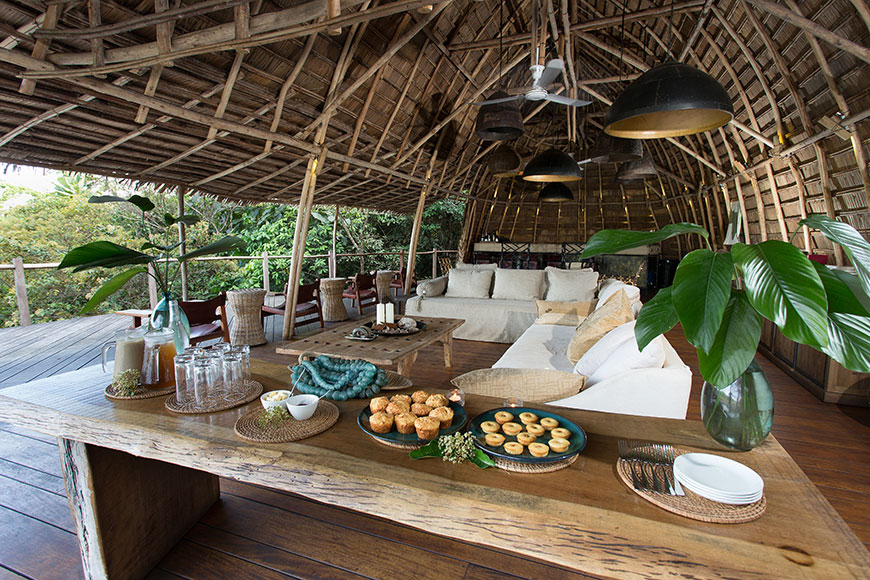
{"x": 500, "y": 121}
{"x": 610, "y": 149}
{"x": 669, "y": 100}
{"x": 556, "y": 191}
{"x": 504, "y": 162}
{"x": 552, "y": 165}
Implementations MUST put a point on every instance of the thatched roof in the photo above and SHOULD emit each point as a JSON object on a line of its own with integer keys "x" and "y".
{"x": 231, "y": 98}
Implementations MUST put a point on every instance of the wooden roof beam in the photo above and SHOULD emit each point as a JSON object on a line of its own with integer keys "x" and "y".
{"x": 40, "y": 49}
{"x": 288, "y": 82}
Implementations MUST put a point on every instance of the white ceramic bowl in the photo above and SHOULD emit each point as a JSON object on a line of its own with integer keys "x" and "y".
{"x": 271, "y": 399}
{"x": 302, "y": 407}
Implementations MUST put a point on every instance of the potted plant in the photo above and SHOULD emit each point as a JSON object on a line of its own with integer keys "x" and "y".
{"x": 719, "y": 298}
{"x": 165, "y": 266}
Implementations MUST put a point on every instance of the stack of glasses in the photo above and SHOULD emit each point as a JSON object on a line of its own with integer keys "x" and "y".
{"x": 205, "y": 375}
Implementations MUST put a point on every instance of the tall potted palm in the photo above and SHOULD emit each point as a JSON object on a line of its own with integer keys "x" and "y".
{"x": 719, "y": 298}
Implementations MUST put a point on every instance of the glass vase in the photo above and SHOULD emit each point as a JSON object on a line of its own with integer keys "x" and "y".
{"x": 740, "y": 415}
{"x": 168, "y": 314}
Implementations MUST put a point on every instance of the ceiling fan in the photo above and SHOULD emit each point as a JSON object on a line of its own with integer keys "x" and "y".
{"x": 542, "y": 77}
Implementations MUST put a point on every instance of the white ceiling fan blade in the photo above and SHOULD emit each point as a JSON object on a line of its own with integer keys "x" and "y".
{"x": 502, "y": 100}
{"x": 552, "y": 71}
{"x": 563, "y": 100}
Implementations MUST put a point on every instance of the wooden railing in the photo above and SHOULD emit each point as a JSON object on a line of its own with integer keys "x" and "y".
{"x": 18, "y": 267}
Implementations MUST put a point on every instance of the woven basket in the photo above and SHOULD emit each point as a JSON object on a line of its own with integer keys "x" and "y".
{"x": 246, "y": 305}
{"x": 530, "y": 384}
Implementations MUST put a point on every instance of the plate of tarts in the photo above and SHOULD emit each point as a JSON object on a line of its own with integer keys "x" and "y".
{"x": 364, "y": 419}
{"x": 527, "y": 435}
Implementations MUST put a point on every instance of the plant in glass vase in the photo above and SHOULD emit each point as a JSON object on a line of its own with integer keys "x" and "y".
{"x": 719, "y": 298}
{"x": 165, "y": 266}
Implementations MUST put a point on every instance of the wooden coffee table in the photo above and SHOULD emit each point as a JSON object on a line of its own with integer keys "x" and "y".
{"x": 385, "y": 350}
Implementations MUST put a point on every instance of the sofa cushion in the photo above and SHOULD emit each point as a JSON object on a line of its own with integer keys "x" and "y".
{"x": 577, "y": 308}
{"x": 615, "y": 311}
{"x": 573, "y": 285}
{"x": 527, "y": 384}
{"x": 561, "y": 318}
{"x": 611, "y": 286}
{"x": 485, "y": 319}
{"x": 541, "y": 346}
{"x": 518, "y": 284}
{"x": 464, "y": 266}
{"x": 616, "y": 353}
{"x": 468, "y": 283}
{"x": 433, "y": 287}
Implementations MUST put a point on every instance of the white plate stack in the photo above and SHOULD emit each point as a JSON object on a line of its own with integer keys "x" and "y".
{"x": 718, "y": 479}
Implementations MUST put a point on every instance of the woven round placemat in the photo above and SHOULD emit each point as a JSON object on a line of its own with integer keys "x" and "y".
{"x": 518, "y": 467}
{"x": 694, "y": 506}
{"x": 396, "y": 382}
{"x": 400, "y": 444}
{"x": 324, "y": 417}
{"x": 140, "y": 393}
{"x": 250, "y": 390}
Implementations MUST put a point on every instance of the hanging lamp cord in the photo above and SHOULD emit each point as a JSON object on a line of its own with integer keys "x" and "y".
{"x": 669, "y": 55}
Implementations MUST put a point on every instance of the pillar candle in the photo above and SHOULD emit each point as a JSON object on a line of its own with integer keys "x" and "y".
{"x": 380, "y": 314}
{"x": 390, "y": 313}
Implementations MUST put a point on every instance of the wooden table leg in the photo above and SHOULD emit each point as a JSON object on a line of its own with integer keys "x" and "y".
{"x": 129, "y": 511}
{"x": 403, "y": 365}
{"x": 447, "y": 341}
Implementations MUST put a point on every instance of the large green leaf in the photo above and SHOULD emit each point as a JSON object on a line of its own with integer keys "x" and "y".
{"x": 849, "y": 341}
{"x": 853, "y": 243}
{"x": 139, "y": 201}
{"x": 783, "y": 286}
{"x": 735, "y": 343}
{"x": 222, "y": 245}
{"x": 656, "y": 317}
{"x": 613, "y": 241}
{"x": 702, "y": 285}
{"x": 111, "y": 286}
{"x": 840, "y": 296}
{"x": 106, "y": 254}
{"x": 105, "y": 199}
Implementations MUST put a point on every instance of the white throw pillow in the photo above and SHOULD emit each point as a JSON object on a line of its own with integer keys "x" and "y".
{"x": 468, "y": 283}
{"x": 611, "y": 286}
{"x": 616, "y": 353}
{"x": 570, "y": 285}
{"x": 464, "y": 266}
{"x": 518, "y": 284}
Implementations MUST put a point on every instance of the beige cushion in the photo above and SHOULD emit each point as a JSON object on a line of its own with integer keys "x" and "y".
{"x": 468, "y": 283}
{"x": 617, "y": 353}
{"x": 570, "y": 284}
{"x": 464, "y": 266}
{"x": 616, "y": 311}
{"x": 527, "y": 384}
{"x": 578, "y": 308}
{"x": 518, "y": 284}
{"x": 561, "y": 318}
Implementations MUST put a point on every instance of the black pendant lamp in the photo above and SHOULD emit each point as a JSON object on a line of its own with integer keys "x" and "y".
{"x": 638, "y": 170}
{"x": 552, "y": 165}
{"x": 504, "y": 162}
{"x": 609, "y": 149}
{"x": 556, "y": 191}
{"x": 669, "y": 100}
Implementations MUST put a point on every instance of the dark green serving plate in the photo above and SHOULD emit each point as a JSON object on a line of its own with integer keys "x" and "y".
{"x": 577, "y": 440}
{"x": 459, "y": 419}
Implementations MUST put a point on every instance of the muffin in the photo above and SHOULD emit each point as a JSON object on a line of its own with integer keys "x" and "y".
{"x": 397, "y": 398}
{"x": 405, "y": 423}
{"x": 525, "y": 438}
{"x": 427, "y": 427}
{"x": 535, "y": 429}
{"x": 511, "y": 428}
{"x": 490, "y": 427}
{"x": 421, "y": 409}
{"x": 527, "y": 418}
{"x": 539, "y": 450}
{"x": 378, "y": 404}
{"x": 444, "y": 415}
{"x": 549, "y": 423}
{"x": 397, "y": 407}
{"x": 437, "y": 400}
{"x": 381, "y": 422}
{"x": 420, "y": 396}
{"x": 503, "y": 417}
{"x": 561, "y": 433}
{"x": 494, "y": 439}
{"x": 559, "y": 445}
{"x": 513, "y": 448}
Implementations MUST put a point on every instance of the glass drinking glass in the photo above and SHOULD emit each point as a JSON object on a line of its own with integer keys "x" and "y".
{"x": 205, "y": 380}
{"x": 194, "y": 350}
{"x": 245, "y": 351}
{"x": 232, "y": 370}
{"x": 184, "y": 391}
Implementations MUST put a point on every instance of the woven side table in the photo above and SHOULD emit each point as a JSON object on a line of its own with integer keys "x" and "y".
{"x": 331, "y": 301}
{"x": 246, "y": 305}
{"x": 382, "y": 283}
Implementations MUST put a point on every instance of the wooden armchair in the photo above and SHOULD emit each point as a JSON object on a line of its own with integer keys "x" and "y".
{"x": 308, "y": 308}
{"x": 362, "y": 291}
{"x": 208, "y": 318}
{"x": 398, "y": 282}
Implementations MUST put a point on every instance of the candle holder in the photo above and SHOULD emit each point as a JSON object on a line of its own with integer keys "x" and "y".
{"x": 457, "y": 395}
{"x": 512, "y": 402}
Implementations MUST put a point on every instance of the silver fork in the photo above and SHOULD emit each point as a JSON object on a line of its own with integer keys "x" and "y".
{"x": 655, "y": 455}
{"x": 637, "y": 463}
{"x": 624, "y": 453}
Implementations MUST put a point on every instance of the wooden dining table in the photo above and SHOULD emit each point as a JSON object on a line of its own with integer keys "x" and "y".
{"x": 138, "y": 476}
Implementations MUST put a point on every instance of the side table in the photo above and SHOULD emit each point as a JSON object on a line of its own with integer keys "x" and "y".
{"x": 331, "y": 300}
{"x": 246, "y": 305}
{"x": 382, "y": 283}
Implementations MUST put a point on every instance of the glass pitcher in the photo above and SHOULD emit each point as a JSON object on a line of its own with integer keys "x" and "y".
{"x": 129, "y": 350}
{"x": 158, "y": 370}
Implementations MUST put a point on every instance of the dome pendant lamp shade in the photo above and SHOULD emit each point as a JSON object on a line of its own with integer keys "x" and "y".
{"x": 556, "y": 191}
{"x": 669, "y": 100}
{"x": 552, "y": 165}
{"x": 499, "y": 121}
{"x": 504, "y": 162}
{"x": 609, "y": 149}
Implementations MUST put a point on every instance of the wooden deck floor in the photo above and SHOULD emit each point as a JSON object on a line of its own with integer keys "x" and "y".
{"x": 257, "y": 533}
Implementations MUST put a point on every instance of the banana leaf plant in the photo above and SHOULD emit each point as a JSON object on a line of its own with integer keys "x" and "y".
{"x": 166, "y": 266}
{"x": 719, "y": 298}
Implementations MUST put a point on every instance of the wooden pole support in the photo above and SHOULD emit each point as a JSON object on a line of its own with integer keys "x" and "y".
{"x": 21, "y": 292}
{"x": 266, "y": 271}
{"x": 333, "y": 10}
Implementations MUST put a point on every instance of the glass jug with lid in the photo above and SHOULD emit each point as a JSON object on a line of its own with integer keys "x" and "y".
{"x": 129, "y": 350}
{"x": 158, "y": 370}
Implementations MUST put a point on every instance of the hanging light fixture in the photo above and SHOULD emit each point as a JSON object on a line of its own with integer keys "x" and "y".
{"x": 637, "y": 170}
{"x": 504, "y": 162}
{"x": 556, "y": 191}
{"x": 499, "y": 121}
{"x": 552, "y": 165}
{"x": 609, "y": 149}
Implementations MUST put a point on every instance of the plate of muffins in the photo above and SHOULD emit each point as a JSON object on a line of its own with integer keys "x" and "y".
{"x": 416, "y": 418}
{"x": 527, "y": 435}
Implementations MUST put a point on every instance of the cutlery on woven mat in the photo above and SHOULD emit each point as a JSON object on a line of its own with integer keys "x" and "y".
{"x": 662, "y": 455}
{"x": 624, "y": 452}
{"x": 638, "y": 467}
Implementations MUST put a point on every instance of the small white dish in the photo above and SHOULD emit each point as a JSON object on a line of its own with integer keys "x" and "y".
{"x": 275, "y": 399}
{"x": 302, "y": 407}
{"x": 718, "y": 478}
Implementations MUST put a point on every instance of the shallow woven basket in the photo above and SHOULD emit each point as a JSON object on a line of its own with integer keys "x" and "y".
{"x": 530, "y": 384}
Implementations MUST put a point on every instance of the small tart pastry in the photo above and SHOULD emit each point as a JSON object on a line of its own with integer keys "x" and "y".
{"x": 437, "y": 400}
{"x": 513, "y": 448}
{"x": 404, "y": 398}
{"x": 549, "y": 423}
{"x": 490, "y": 427}
{"x": 503, "y": 417}
{"x": 420, "y": 396}
{"x": 427, "y": 427}
{"x": 559, "y": 444}
{"x": 527, "y": 418}
{"x": 421, "y": 409}
{"x": 535, "y": 429}
{"x": 511, "y": 428}
{"x": 381, "y": 422}
{"x": 525, "y": 438}
{"x": 405, "y": 423}
{"x": 561, "y": 433}
{"x": 539, "y": 449}
{"x": 494, "y": 439}
{"x": 398, "y": 407}
{"x": 444, "y": 415}
{"x": 378, "y": 404}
